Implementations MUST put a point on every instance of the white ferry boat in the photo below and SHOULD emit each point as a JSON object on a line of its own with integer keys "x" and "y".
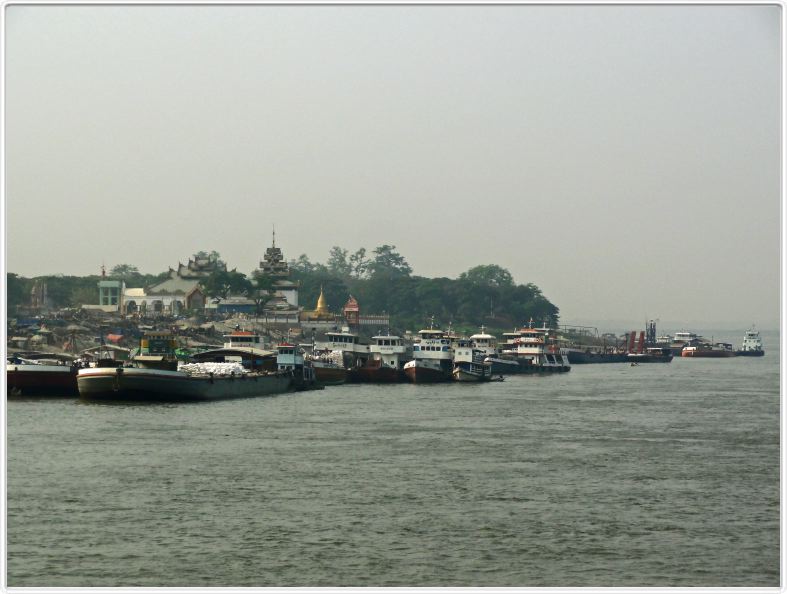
{"x": 432, "y": 357}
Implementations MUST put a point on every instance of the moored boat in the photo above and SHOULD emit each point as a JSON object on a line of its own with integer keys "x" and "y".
{"x": 469, "y": 364}
{"x": 329, "y": 374}
{"x": 651, "y": 355}
{"x": 155, "y": 375}
{"x": 432, "y": 357}
{"x": 388, "y": 354}
{"x": 536, "y": 351}
{"x": 718, "y": 350}
{"x": 345, "y": 344}
{"x": 576, "y": 356}
{"x": 42, "y": 377}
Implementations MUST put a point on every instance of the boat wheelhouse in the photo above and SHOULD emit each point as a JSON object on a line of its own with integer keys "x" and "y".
{"x": 241, "y": 346}
{"x": 353, "y": 351}
{"x": 752, "y": 345}
{"x": 290, "y": 359}
{"x": 486, "y": 343}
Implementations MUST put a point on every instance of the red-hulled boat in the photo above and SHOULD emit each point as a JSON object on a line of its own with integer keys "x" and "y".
{"x": 376, "y": 372}
{"x": 432, "y": 358}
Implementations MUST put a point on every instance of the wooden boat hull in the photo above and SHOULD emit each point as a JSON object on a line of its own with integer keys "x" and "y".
{"x": 153, "y": 384}
{"x": 420, "y": 374}
{"x": 463, "y": 375}
{"x": 41, "y": 380}
{"x": 330, "y": 376}
{"x": 376, "y": 375}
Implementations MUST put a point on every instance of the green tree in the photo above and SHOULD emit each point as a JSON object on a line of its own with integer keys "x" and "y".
{"x": 359, "y": 263}
{"x": 123, "y": 271}
{"x": 222, "y": 283}
{"x": 17, "y": 290}
{"x": 212, "y": 255}
{"x": 337, "y": 262}
{"x": 489, "y": 275}
{"x": 388, "y": 263}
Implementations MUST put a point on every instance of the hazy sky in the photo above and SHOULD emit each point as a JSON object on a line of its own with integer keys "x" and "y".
{"x": 626, "y": 159}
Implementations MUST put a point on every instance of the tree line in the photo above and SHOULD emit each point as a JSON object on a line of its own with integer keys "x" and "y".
{"x": 381, "y": 280}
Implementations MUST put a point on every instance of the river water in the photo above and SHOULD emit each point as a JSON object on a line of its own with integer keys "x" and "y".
{"x": 610, "y": 475}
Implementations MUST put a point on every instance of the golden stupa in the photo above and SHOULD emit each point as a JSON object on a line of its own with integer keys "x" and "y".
{"x": 322, "y": 307}
{"x": 320, "y": 312}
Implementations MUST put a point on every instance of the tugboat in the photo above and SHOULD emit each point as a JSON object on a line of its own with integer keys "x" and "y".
{"x": 469, "y": 363}
{"x": 432, "y": 357}
{"x": 156, "y": 375}
{"x": 752, "y": 345}
{"x": 290, "y": 360}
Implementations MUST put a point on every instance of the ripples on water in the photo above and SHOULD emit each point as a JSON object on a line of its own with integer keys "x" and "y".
{"x": 610, "y": 475}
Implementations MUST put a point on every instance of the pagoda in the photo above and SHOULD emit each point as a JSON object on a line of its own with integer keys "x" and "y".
{"x": 284, "y": 291}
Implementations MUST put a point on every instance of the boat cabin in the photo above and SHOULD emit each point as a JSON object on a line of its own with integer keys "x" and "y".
{"x": 288, "y": 357}
{"x": 157, "y": 351}
{"x": 242, "y": 338}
